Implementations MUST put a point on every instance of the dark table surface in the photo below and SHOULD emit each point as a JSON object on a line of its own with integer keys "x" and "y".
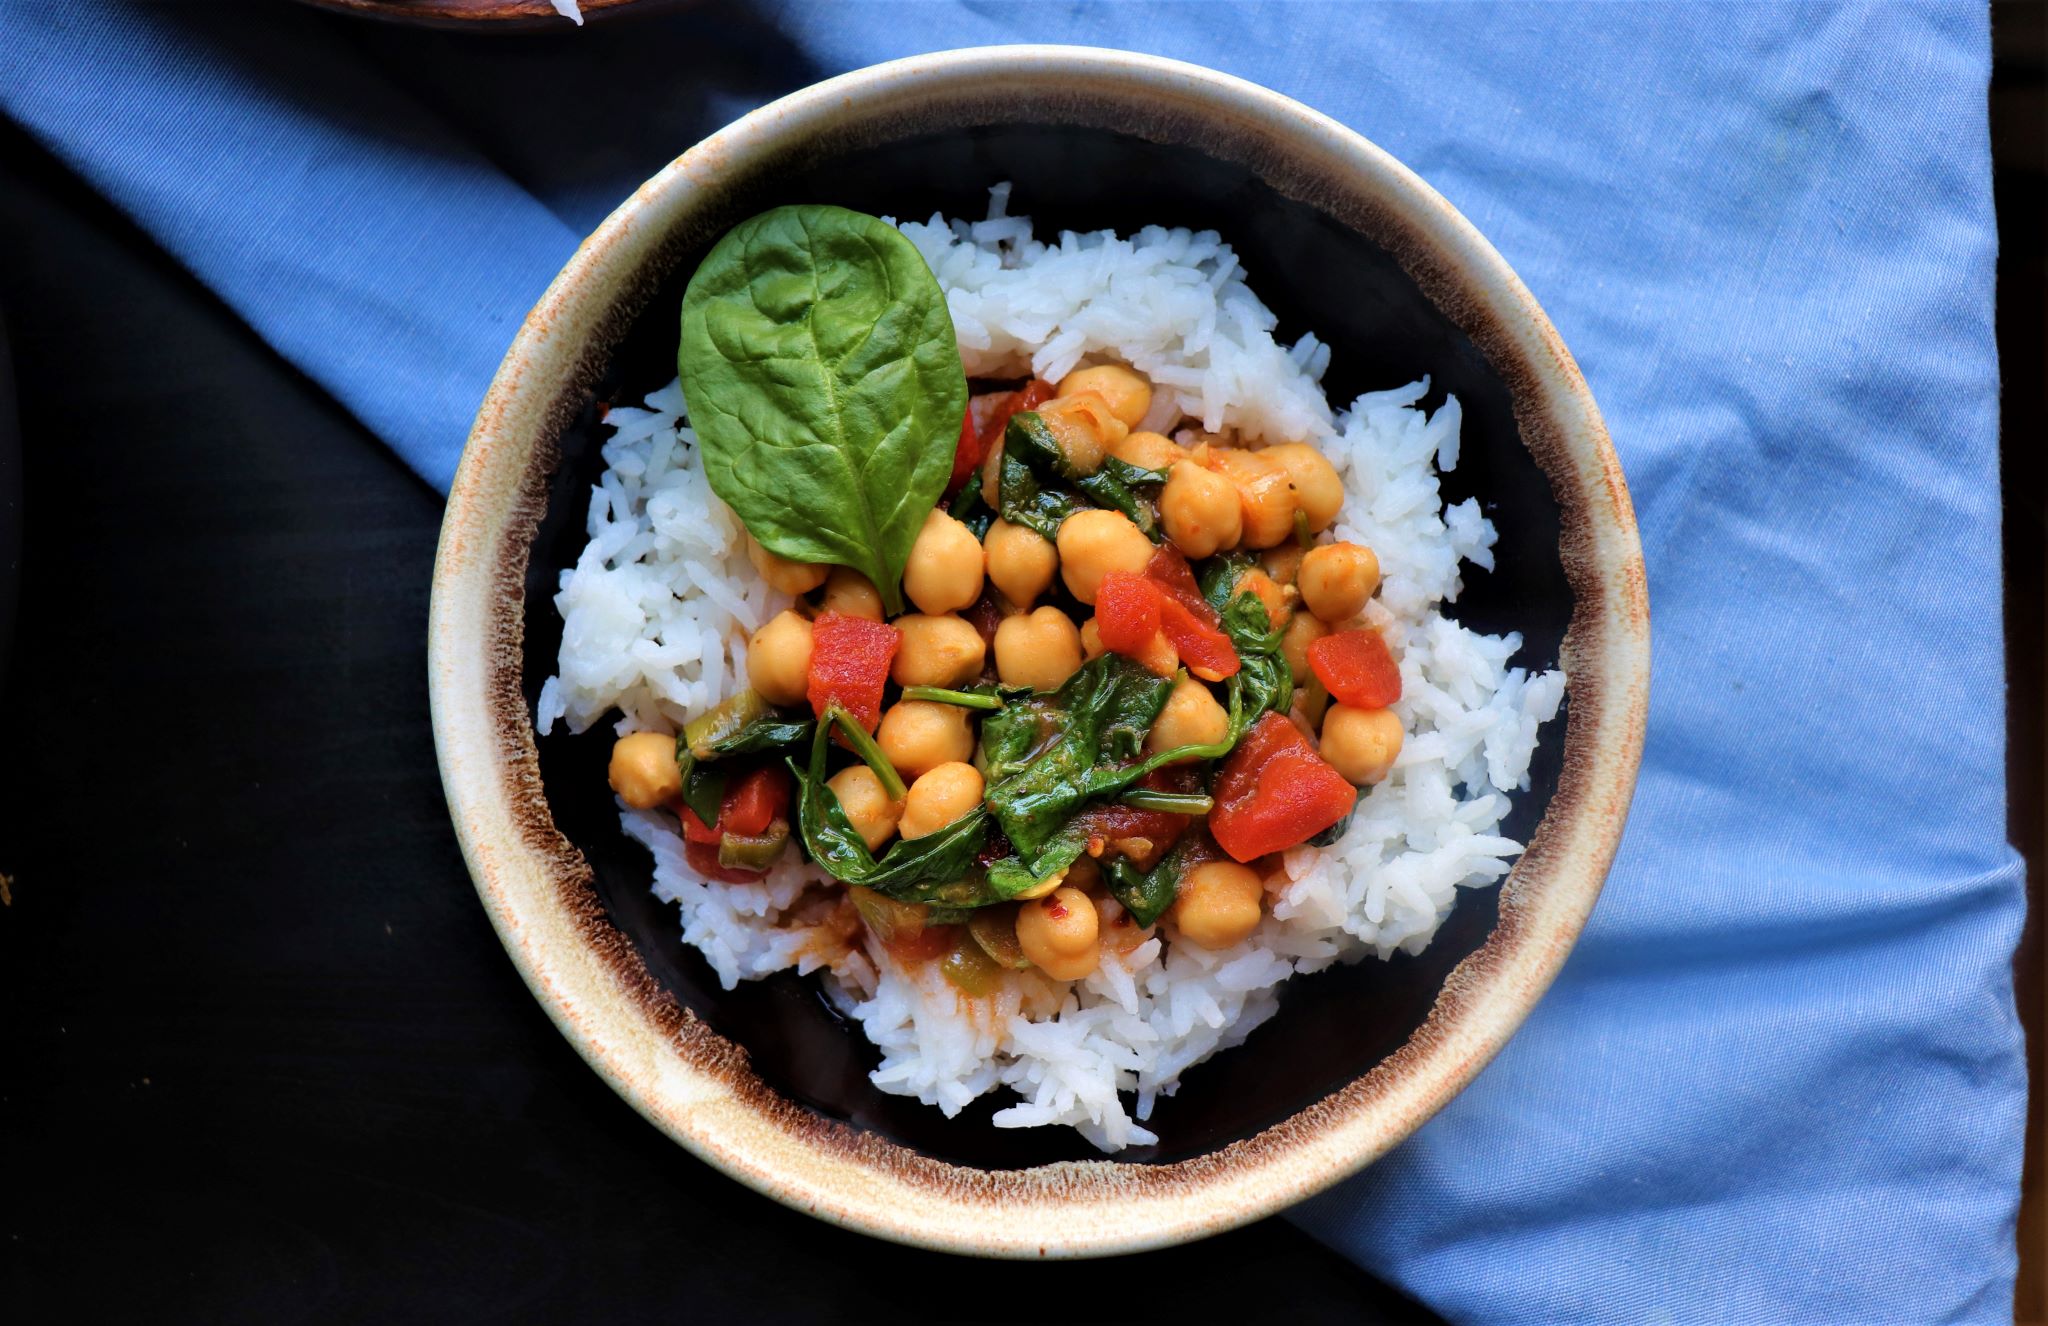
{"x": 262, "y": 1057}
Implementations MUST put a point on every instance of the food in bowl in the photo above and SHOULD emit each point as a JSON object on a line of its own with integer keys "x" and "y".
{"x": 1012, "y": 634}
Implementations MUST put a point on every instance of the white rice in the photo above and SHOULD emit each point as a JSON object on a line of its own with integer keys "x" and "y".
{"x": 657, "y": 611}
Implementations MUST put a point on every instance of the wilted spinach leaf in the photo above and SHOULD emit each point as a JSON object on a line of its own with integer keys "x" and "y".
{"x": 1265, "y": 680}
{"x": 1146, "y": 894}
{"x": 703, "y": 789}
{"x": 1038, "y": 507}
{"x": 1333, "y": 833}
{"x": 824, "y": 383}
{"x": 1039, "y": 489}
{"x": 769, "y": 732}
{"x": 1009, "y": 735}
{"x": 984, "y": 696}
{"x": 1218, "y": 580}
{"x": 1101, "y": 715}
{"x": 939, "y": 867}
{"x": 1097, "y": 723}
{"x": 1263, "y": 683}
{"x": 970, "y": 510}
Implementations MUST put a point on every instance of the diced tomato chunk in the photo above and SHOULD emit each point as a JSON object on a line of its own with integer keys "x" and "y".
{"x": 1190, "y": 624}
{"x": 1169, "y": 570}
{"x": 697, "y": 831}
{"x": 1275, "y": 792}
{"x": 1205, "y": 650}
{"x": 1034, "y": 394}
{"x": 967, "y": 452}
{"x": 1142, "y": 835}
{"x": 703, "y": 858}
{"x": 754, "y": 801}
{"x": 1127, "y": 612}
{"x": 1357, "y": 668}
{"x": 922, "y": 945}
{"x": 850, "y": 658}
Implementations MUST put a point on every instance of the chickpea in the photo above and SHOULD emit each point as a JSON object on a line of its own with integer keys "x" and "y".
{"x": 851, "y": 594}
{"x": 1337, "y": 579}
{"x": 1057, "y": 932}
{"x": 1094, "y": 543}
{"x": 1127, "y": 392}
{"x": 1317, "y": 489}
{"x": 1278, "y": 598}
{"x": 1161, "y": 659}
{"x": 944, "y": 570}
{"x": 867, "y": 805}
{"x": 939, "y": 796}
{"x": 1045, "y": 886}
{"x": 1201, "y": 510}
{"x": 1039, "y": 649}
{"x": 1361, "y": 744}
{"x": 1084, "y": 427}
{"x": 992, "y": 476}
{"x": 1021, "y": 561}
{"x": 1190, "y": 716}
{"x": 920, "y": 735}
{"x": 779, "y": 659}
{"x": 1218, "y": 904}
{"x": 1307, "y": 710}
{"x": 1282, "y": 563}
{"x": 1149, "y": 451}
{"x": 1303, "y": 630}
{"x": 937, "y": 651}
{"x": 644, "y": 771}
{"x": 1118, "y": 929}
{"x": 1091, "y": 641}
{"x": 785, "y": 575}
{"x": 1265, "y": 493}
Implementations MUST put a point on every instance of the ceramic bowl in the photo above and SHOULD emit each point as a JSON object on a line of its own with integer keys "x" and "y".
{"x": 1338, "y": 237}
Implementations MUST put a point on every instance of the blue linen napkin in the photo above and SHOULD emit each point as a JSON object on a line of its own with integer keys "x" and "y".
{"x": 1780, "y": 1078}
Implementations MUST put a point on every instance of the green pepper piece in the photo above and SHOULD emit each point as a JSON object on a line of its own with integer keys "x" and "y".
{"x": 745, "y": 851}
{"x": 995, "y": 929}
{"x": 724, "y": 720}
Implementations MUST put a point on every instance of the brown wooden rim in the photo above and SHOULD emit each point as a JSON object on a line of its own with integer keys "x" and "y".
{"x": 698, "y": 1087}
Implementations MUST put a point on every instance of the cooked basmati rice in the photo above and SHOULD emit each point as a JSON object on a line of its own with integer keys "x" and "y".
{"x": 657, "y": 611}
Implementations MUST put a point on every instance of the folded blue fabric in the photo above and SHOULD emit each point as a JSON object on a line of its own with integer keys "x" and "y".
{"x": 1780, "y": 1079}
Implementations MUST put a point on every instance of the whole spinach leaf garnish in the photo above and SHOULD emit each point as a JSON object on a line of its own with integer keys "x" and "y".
{"x": 824, "y": 383}
{"x": 939, "y": 867}
{"x": 1039, "y": 488}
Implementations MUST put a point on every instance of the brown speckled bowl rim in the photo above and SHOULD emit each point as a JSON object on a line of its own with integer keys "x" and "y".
{"x": 698, "y": 1087}
{"x": 486, "y": 15}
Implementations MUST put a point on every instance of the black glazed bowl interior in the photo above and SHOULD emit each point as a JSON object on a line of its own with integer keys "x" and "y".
{"x": 1316, "y": 275}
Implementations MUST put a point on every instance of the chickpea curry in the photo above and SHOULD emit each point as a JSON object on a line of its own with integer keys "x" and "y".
{"x": 1097, "y": 682}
